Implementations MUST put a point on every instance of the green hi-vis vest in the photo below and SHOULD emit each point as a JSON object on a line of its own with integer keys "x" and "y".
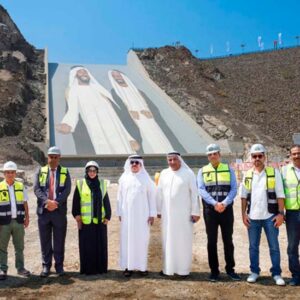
{"x": 44, "y": 174}
{"x": 86, "y": 201}
{"x": 270, "y": 189}
{"x": 217, "y": 181}
{"x": 5, "y": 204}
{"x": 291, "y": 185}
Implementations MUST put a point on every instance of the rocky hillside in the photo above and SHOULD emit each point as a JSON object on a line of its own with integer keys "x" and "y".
{"x": 249, "y": 98}
{"x": 22, "y": 95}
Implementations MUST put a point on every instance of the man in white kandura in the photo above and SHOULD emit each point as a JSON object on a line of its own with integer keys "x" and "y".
{"x": 178, "y": 206}
{"x": 136, "y": 208}
{"x": 153, "y": 138}
{"x": 94, "y": 103}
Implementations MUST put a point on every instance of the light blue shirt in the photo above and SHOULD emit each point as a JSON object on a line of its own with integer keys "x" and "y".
{"x": 208, "y": 198}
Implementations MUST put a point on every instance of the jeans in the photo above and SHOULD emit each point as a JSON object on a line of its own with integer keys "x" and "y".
{"x": 293, "y": 234}
{"x": 254, "y": 233}
{"x": 225, "y": 220}
{"x": 17, "y": 232}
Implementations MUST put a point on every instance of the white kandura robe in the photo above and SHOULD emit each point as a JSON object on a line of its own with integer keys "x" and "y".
{"x": 107, "y": 133}
{"x": 177, "y": 201}
{"x": 135, "y": 204}
{"x": 153, "y": 138}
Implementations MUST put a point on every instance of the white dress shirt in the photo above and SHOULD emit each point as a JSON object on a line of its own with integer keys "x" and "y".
{"x": 259, "y": 201}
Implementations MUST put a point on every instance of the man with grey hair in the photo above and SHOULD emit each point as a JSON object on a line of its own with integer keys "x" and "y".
{"x": 178, "y": 206}
{"x": 52, "y": 187}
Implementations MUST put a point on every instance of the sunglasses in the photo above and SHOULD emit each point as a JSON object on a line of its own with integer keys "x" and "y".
{"x": 259, "y": 156}
{"x": 134, "y": 162}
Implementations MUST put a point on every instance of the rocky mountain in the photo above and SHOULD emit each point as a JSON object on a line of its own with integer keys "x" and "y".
{"x": 248, "y": 98}
{"x": 22, "y": 95}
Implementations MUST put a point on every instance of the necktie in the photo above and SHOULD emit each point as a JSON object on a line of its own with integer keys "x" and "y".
{"x": 51, "y": 185}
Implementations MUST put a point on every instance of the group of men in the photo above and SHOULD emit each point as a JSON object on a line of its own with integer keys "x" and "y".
{"x": 268, "y": 199}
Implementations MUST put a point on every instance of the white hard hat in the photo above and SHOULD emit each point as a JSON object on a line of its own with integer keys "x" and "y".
{"x": 257, "y": 148}
{"x": 10, "y": 166}
{"x": 92, "y": 163}
{"x": 212, "y": 148}
{"x": 54, "y": 150}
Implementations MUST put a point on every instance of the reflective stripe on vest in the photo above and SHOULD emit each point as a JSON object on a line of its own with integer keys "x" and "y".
{"x": 291, "y": 185}
{"x": 86, "y": 201}
{"x": 5, "y": 203}
{"x": 217, "y": 181}
{"x": 270, "y": 188}
{"x": 44, "y": 174}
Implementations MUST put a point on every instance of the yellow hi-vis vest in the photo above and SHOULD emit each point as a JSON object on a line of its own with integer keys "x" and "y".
{"x": 291, "y": 185}
{"x": 44, "y": 174}
{"x": 5, "y": 205}
{"x": 86, "y": 201}
{"x": 217, "y": 181}
{"x": 270, "y": 189}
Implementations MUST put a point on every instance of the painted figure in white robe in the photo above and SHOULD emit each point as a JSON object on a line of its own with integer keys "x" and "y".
{"x": 136, "y": 208}
{"x": 179, "y": 208}
{"x": 153, "y": 138}
{"x": 94, "y": 103}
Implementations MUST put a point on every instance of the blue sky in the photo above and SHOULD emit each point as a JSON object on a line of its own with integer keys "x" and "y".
{"x": 102, "y": 31}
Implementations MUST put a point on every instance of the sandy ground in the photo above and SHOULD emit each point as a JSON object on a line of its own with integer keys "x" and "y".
{"x": 114, "y": 285}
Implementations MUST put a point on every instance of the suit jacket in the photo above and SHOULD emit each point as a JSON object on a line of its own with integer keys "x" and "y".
{"x": 42, "y": 193}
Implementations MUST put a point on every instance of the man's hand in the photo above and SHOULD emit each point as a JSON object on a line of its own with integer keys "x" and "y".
{"x": 51, "y": 205}
{"x": 147, "y": 114}
{"x": 246, "y": 220}
{"x": 26, "y": 221}
{"x": 135, "y": 146}
{"x": 151, "y": 220}
{"x": 105, "y": 221}
{"x": 195, "y": 219}
{"x": 79, "y": 222}
{"x": 219, "y": 207}
{"x": 63, "y": 128}
{"x": 134, "y": 114}
{"x": 278, "y": 220}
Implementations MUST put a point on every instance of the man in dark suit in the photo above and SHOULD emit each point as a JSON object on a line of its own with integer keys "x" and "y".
{"x": 52, "y": 187}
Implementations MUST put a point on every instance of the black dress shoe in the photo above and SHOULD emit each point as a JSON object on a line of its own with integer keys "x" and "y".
{"x": 127, "y": 273}
{"x": 45, "y": 272}
{"x": 143, "y": 273}
{"x": 3, "y": 275}
{"x": 61, "y": 273}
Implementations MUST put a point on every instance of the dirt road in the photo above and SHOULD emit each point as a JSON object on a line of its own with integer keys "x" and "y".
{"x": 114, "y": 285}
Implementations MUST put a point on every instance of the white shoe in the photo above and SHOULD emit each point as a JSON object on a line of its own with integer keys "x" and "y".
{"x": 279, "y": 280}
{"x": 252, "y": 277}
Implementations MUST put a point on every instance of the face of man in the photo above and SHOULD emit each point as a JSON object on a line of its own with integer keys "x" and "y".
{"x": 10, "y": 176}
{"x": 83, "y": 77}
{"x": 53, "y": 160}
{"x": 117, "y": 76}
{"x": 174, "y": 162}
{"x": 214, "y": 158}
{"x": 92, "y": 172}
{"x": 135, "y": 166}
{"x": 258, "y": 160}
{"x": 295, "y": 156}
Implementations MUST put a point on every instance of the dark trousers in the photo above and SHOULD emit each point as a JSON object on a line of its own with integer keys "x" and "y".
{"x": 293, "y": 234}
{"x": 225, "y": 220}
{"x": 52, "y": 227}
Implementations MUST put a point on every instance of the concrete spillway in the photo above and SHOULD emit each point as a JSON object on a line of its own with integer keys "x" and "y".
{"x": 105, "y": 113}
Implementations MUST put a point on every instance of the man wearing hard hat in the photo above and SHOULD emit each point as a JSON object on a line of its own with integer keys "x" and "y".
{"x": 14, "y": 217}
{"x": 217, "y": 187}
{"x": 262, "y": 197}
{"x": 52, "y": 187}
